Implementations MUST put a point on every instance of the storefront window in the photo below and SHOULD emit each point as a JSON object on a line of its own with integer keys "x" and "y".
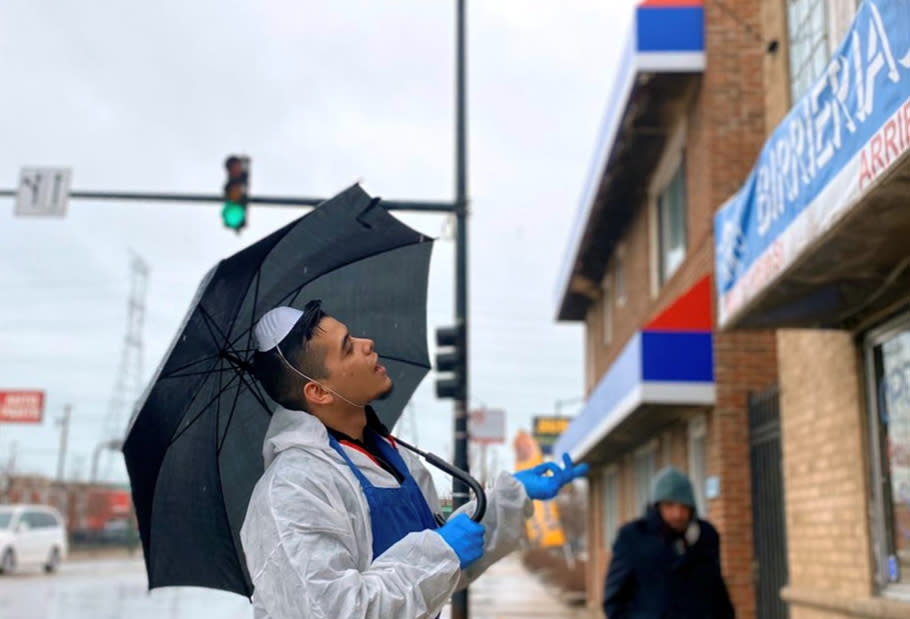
{"x": 808, "y": 32}
{"x": 671, "y": 224}
{"x": 645, "y": 469}
{"x": 611, "y": 506}
{"x": 889, "y": 358}
{"x": 698, "y": 459}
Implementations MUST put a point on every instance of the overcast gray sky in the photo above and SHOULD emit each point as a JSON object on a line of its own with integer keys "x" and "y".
{"x": 153, "y": 96}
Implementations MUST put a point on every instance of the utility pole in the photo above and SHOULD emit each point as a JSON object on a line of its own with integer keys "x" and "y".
{"x": 459, "y": 488}
{"x": 64, "y": 423}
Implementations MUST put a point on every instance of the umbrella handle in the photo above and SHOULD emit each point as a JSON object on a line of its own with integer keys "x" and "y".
{"x": 454, "y": 471}
{"x": 481, "y": 496}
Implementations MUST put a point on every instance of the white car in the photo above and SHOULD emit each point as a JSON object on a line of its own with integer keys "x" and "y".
{"x": 31, "y": 536}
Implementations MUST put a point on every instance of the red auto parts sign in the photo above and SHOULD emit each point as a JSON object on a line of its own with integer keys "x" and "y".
{"x": 21, "y": 406}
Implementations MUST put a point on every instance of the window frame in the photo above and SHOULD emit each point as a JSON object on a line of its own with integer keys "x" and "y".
{"x": 802, "y": 78}
{"x": 611, "y": 521}
{"x": 673, "y": 156}
{"x": 698, "y": 432}
{"x": 619, "y": 275}
{"x": 666, "y": 271}
{"x": 871, "y": 340}
{"x": 607, "y": 310}
{"x": 648, "y": 450}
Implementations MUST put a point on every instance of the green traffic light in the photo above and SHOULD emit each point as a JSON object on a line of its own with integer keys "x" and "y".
{"x": 233, "y": 215}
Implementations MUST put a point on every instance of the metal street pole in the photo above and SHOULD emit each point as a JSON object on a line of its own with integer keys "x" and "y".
{"x": 459, "y": 489}
{"x": 64, "y": 431}
{"x": 427, "y": 206}
{"x": 64, "y": 423}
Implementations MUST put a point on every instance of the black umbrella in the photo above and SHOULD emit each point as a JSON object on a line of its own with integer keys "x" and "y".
{"x": 194, "y": 447}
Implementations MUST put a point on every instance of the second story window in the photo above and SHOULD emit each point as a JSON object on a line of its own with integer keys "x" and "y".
{"x": 671, "y": 224}
{"x": 807, "y": 26}
{"x": 619, "y": 276}
{"x": 607, "y": 311}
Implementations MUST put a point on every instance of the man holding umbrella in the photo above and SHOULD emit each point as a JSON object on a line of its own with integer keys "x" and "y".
{"x": 342, "y": 523}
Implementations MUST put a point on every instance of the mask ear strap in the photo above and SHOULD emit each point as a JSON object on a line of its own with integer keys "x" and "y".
{"x": 313, "y": 380}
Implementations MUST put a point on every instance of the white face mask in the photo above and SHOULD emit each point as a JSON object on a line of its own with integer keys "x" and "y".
{"x": 299, "y": 373}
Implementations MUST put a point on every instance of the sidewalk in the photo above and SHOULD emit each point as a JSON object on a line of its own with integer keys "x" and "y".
{"x": 508, "y": 591}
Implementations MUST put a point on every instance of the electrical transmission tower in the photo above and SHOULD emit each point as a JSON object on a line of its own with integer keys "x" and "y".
{"x": 128, "y": 385}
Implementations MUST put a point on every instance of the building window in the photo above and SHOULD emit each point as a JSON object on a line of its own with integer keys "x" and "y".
{"x": 607, "y": 311}
{"x": 808, "y": 34}
{"x": 590, "y": 359}
{"x": 611, "y": 506}
{"x": 619, "y": 276}
{"x": 645, "y": 469}
{"x": 671, "y": 224}
{"x": 698, "y": 461}
{"x": 888, "y": 373}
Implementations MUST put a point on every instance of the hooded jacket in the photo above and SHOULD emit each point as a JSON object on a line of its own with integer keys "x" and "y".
{"x": 658, "y": 573}
{"x": 308, "y": 541}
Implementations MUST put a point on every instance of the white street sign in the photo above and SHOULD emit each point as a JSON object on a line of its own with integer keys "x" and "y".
{"x": 43, "y": 191}
{"x": 487, "y": 425}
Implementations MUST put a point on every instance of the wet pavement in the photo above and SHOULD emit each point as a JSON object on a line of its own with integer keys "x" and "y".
{"x": 109, "y": 589}
{"x": 508, "y": 591}
{"x": 115, "y": 588}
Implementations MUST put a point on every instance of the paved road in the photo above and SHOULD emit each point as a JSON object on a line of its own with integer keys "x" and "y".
{"x": 507, "y": 591}
{"x": 116, "y": 589}
{"x": 109, "y": 589}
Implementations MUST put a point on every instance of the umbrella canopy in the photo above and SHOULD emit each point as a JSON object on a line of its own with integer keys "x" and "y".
{"x": 194, "y": 447}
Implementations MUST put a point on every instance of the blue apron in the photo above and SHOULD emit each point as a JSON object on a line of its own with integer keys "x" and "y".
{"x": 394, "y": 512}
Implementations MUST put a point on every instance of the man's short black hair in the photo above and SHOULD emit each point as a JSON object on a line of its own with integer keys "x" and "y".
{"x": 281, "y": 383}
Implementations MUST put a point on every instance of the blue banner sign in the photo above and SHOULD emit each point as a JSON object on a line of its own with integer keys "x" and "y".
{"x": 837, "y": 142}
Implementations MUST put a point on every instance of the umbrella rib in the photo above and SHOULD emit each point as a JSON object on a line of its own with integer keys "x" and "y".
{"x": 198, "y": 415}
{"x": 405, "y": 361}
{"x": 189, "y": 365}
{"x": 218, "y": 444}
{"x": 199, "y": 373}
{"x": 234, "y": 408}
{"x": 291, "y": 295}
{"x": 209, "y": 323}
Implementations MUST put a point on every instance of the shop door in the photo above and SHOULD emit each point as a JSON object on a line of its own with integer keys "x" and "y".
{"x": 768, "y": 521}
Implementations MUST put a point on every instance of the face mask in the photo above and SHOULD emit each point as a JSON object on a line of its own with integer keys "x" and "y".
{"x": 299, "y": 373}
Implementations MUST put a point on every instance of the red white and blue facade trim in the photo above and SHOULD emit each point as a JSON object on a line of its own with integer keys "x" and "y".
{"x": 668, "y": 36}
{"x": 670, "y": 361}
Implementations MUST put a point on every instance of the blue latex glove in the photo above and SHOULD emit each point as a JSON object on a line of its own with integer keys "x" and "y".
{"x": 544, "y": 480}
{"x": 465, "y": 537}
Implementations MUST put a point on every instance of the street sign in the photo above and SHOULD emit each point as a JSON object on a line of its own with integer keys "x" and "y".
{"x": 21, "y": 406}
{"x": 487, "y": 425}
{"x": 43, "y": 191}
{"x": 547, "y": 429}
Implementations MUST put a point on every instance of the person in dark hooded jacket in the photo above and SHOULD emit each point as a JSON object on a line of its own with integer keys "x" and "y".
{"x": 666, "y": 565}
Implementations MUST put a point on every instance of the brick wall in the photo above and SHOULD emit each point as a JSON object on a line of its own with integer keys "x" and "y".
{"x": 743, "y": 362}
{"x": 824, "y": 449}
{"x": 724, "y": 122}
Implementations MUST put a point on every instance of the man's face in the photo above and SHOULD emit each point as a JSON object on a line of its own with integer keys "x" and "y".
{"x": 352, "y": 366}
{"x": 676, "y": 515}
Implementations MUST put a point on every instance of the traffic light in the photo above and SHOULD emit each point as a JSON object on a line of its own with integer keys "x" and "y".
{"x": 450, "y": 363}
{"x": 236, "y": 189}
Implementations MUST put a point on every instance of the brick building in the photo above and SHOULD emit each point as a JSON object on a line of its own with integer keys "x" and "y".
{"x": 748, "y": 199}
{"x": 814, "y": 245}
{"x": 685, "y": 122}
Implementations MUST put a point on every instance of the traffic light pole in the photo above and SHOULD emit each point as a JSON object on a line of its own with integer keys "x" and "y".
{"x": 126, "y": 196}
{"x": 460, "y": 489}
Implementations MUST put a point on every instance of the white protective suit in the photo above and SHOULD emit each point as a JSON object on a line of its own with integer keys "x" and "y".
{"x": 308, "y": 542}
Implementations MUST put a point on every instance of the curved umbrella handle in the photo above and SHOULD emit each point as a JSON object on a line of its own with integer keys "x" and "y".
{"x": 454, "y": 471}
